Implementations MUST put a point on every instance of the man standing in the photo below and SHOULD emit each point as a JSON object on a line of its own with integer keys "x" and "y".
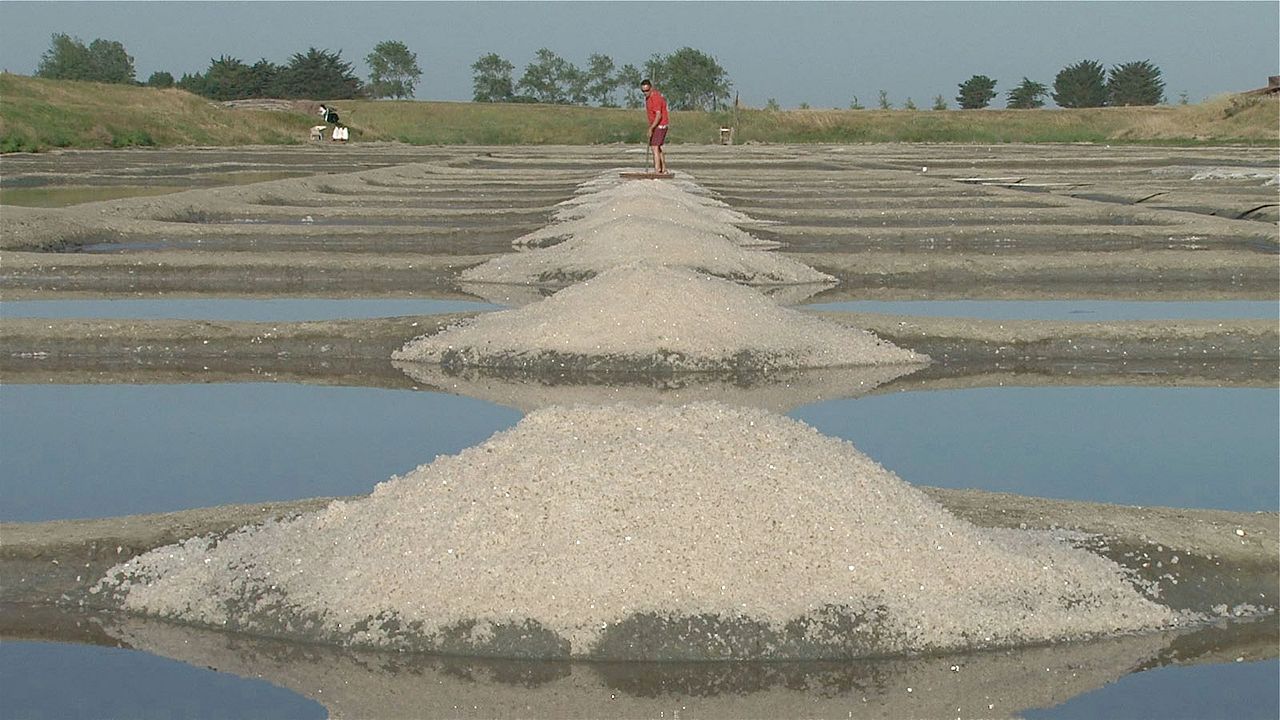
{"x": 656, "y": 107}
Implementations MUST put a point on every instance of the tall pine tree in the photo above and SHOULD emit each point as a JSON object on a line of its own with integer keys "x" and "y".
{"x": 1082, "y": 85}
{"x": 976, "y": 92}
{"x": 1135, "y": 83}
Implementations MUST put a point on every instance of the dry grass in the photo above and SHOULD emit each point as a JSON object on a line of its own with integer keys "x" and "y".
{"x": 41, "y": 114}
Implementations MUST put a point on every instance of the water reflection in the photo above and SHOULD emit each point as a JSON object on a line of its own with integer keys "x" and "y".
{"x": 1075, "y": 310}
{"x": 59, "y": 681}
{"x": 520, "y": 295}
{"x": 779, "y": 391}
{"x": 105, "y": 450}
{"x": 238, "y": 309}
{"x": 990, "y": 684}
{"x": 494, "y": 296}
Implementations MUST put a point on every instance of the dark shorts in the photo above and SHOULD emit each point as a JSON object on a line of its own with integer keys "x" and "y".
{"x": 659, "y": 137}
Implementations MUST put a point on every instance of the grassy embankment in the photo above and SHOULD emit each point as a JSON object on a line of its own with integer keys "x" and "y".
{"x": 38, "y": 115}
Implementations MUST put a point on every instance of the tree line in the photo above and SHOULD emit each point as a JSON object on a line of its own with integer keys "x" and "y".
{"x": 317, "y": 73}
{"x": 1082, "y": 85}
{"x": 688, "y": 78}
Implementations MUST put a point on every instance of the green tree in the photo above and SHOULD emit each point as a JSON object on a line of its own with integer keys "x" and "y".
{"x": 628, "y": 78}
{"x": 549, "y": 79}
{"x": 160, "y": 79}
{"x": 601, "y": 80}
{"x": 1082, "y": 85}
{"x": 772, "y": 105}
{"x": 909, "y": 104}
{"x": 693, "y": 80}
{"x": 103, "y": 61}
{"x": 393, "y": 70}
{"x": 575, "y": 82}
{"x": 884, "y": 100}
{"x": 192, "y": 83}
{"x": 110, "y": 62}
{"x": 229, "y": 78}
{"x": 264, "y": 80}
{"x": 318, "y": 74}
{"x": 491, "y": 79}
{"x": 655, "y": 69}
{"x": 1028, "y": 95}
{"x": 939, "y": 102}
{"x": 855, "y": 105}
{"x": 976, "y": 92}
{"x": 66, "y": 59}
{"x": 1135, "y": 83}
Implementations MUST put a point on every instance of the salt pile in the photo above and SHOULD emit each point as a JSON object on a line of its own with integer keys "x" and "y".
{"x": 645, "y": 199}
{"x": 650, "y": 197}
{"x": 612, "y": 178}
{"x": 623, "y": 531}
{"x": 688, "y": 219}
{"x": 640, "y": 317}
{"x": 618, "y": 241}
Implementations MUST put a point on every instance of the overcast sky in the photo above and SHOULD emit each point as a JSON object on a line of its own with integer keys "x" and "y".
{"x": 820, "y": 53}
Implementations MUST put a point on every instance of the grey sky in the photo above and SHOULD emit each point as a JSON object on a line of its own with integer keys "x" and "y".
{"x": 820, "y": 53}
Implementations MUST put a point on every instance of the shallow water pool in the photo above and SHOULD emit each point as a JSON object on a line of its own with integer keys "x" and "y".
{"x": 1179, "y": 447}
{"x": 106, "y": 450}
{"x": 1075, "y": 310}
{"x": 238, "y": 309}
{"x": 103, "y": 450}
{"x": 299, "y": 309}
{"x": 112, "y": 682}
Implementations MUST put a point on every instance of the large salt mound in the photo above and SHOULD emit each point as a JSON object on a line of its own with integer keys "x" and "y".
{"x": 655, "y": 532}
{"x": 626, "y": 239}
{"x": 645, "y": 318}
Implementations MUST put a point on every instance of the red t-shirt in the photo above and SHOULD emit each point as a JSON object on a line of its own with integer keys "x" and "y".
{"x": 656, "y": 106}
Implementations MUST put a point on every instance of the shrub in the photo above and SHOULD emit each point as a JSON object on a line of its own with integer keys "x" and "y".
{"x": 1027, "y": 96}
{"x": 131, "y": 138}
